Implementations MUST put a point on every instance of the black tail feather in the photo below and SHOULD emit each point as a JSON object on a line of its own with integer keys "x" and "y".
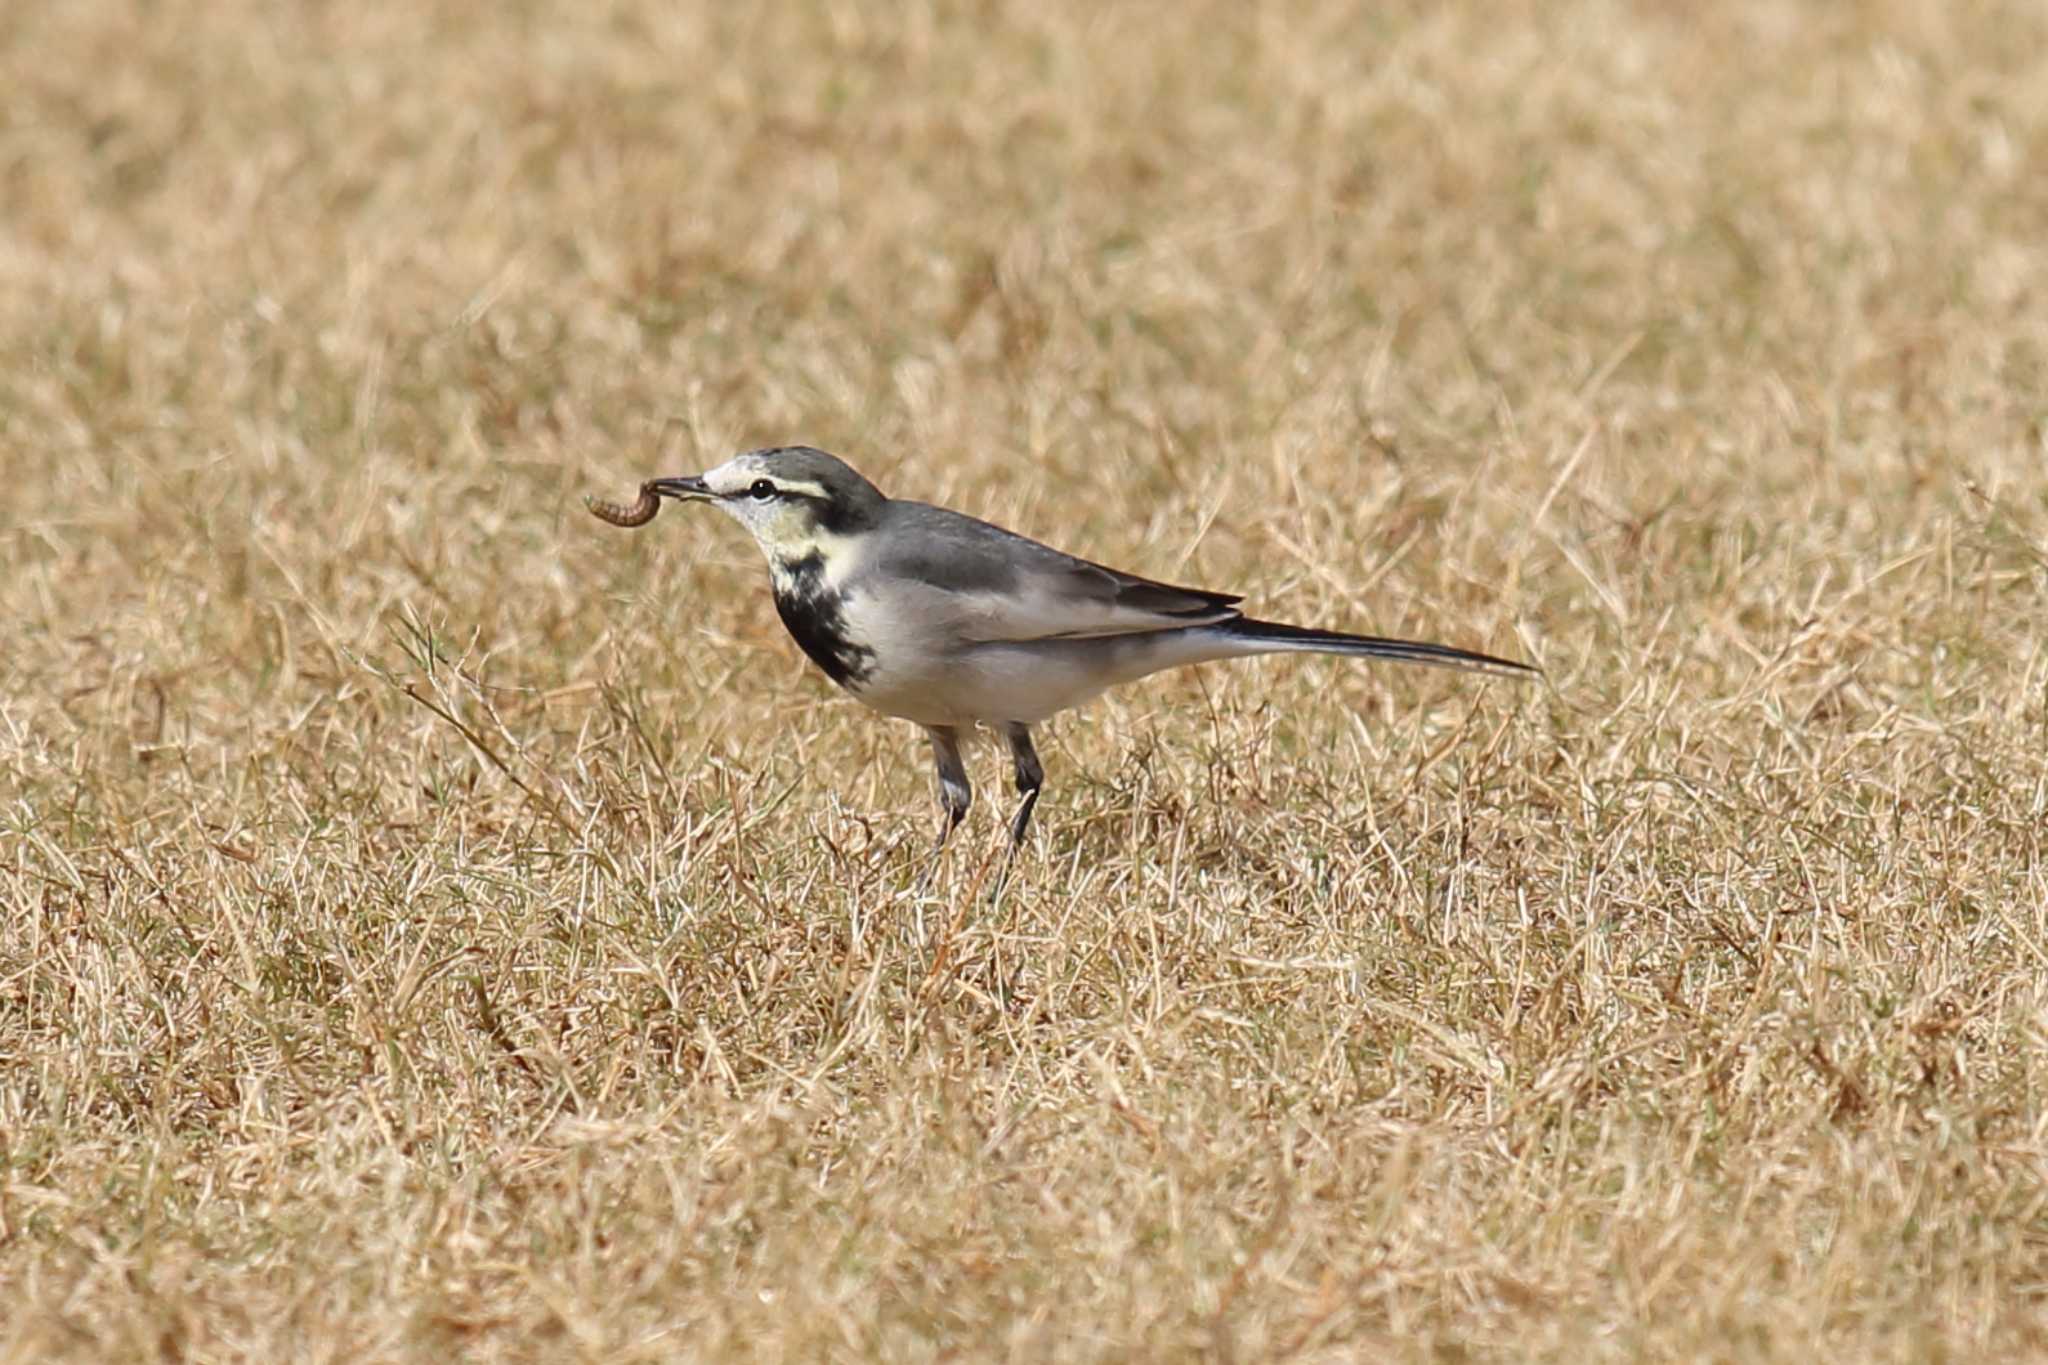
{"x": 1373, "y": 647}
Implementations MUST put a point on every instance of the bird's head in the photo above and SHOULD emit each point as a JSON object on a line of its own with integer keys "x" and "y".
{"x": 792, "y": 499}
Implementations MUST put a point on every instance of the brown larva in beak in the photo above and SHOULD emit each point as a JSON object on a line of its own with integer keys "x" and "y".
{"x": 638, "y": 514}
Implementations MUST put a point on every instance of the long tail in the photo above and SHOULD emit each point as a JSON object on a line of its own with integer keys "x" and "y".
{"x": 1272, "y": 636}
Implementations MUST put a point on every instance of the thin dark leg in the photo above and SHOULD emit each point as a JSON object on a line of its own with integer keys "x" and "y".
{"x": 1030, "y": 777}
{"x": 956, "y": 793}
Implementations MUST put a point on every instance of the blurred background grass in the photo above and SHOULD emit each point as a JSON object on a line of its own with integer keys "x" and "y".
{"x": 435, "y": 921}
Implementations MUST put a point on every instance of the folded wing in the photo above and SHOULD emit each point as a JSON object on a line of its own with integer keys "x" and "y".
{"x": 990, "y": 585}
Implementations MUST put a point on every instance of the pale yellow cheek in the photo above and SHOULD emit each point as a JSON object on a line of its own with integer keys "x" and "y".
{"x": 790, "y": 534}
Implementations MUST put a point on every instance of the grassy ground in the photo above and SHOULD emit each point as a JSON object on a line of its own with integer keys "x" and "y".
{"x": 439, "y": 925}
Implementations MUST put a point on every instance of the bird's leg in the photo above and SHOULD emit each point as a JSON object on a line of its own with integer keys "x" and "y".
{"x": 956, "y": 793}
{"x": 1030, "y": 777}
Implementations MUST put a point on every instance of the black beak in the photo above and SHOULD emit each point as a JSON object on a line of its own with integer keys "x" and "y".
{"x": 683, "y": 489}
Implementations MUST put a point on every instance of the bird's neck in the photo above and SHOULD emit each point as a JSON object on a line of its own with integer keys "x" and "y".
{"x": 796, "y": 572}
{"x": 810, "y": 607}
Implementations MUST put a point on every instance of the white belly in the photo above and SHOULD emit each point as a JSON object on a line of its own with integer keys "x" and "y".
{"x": 1022, "y": 682}
{"x": 995, "y": 684}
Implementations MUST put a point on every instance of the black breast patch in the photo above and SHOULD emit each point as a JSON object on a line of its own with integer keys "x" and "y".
{"x": 811, "y": 611}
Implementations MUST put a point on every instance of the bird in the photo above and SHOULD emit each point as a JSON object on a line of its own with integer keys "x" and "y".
{"x": 939, "y": 618}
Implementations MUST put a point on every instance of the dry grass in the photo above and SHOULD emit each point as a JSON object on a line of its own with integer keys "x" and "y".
{"x": 437, "y": 924}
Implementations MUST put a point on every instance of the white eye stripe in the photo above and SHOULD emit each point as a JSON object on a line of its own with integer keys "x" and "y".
{"x": 783, "y": 488}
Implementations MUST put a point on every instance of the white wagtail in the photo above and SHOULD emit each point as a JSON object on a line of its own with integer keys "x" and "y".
{"x": 941, "y": 619}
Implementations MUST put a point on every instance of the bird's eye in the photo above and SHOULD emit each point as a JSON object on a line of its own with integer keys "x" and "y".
{"x": 762, "y": 489}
